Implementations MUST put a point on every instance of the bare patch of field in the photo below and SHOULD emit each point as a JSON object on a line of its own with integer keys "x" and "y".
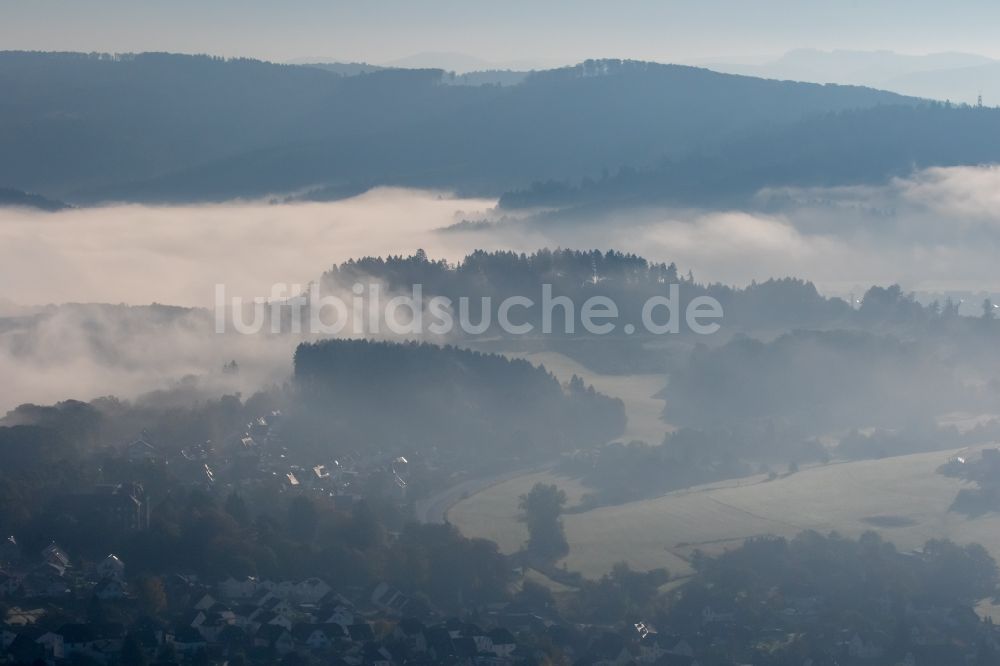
{"x": 642, "y": 409}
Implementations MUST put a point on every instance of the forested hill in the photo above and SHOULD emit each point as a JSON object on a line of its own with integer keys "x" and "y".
{"x": 180, "y": 128}
{"x": 470, "y": 405}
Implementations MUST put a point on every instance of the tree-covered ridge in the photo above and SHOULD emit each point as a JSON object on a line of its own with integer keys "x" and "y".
{"x": 848, "y": 147}
{"x": 629, "y": 280}
{"x": 196, "y": 127}
{"x": 502, "y": 270}
{"x": 472, "y": 405}
{"x": 827, "y": 379}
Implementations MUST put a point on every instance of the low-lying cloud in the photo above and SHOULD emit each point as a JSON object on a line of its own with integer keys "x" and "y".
{"x": 938, "y": 230}
{"x": 176, "y": 254}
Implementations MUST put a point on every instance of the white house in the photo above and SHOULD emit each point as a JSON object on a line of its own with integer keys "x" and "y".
{"x": 311, "y": 590}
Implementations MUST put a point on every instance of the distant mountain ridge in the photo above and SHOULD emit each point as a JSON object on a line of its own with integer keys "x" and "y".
{"x": 960, "y": 77}
{"x": 846, "y": 148}
{"x": 161, "y": 127}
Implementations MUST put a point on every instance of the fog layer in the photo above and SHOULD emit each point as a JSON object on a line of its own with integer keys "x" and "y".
{"x": 938, "y": 230}
{"x": 177, "y": 254}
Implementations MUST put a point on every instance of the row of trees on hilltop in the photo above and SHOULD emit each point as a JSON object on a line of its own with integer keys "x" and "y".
{"x": 630, "y": 281}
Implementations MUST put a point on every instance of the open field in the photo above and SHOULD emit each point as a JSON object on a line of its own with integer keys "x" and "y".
{"x": 642, "y": 409}
{"x": 903, "y": 498}
{"x": 492, "y": 513}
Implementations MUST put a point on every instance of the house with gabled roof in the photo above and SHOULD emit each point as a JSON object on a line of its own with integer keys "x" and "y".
{"x": 140, "y": 451}
{"x": 389, "y": 599}
{"x": 361, "y": 632}
{"x": 45, "y": 580}
{"x": 9, "y": 584}
{"x": 242, "y": 588}
{"x": 439, "y": 645}
{"x": 204, "y": 602}
{"x": 339, "y": 614}
{"x": 110, "y": 589}
{"x": 10, "y": 551}
{"x": 317, "y": 637}
{"x": 373, "y": 654}
{"x": 503, "y": 642}
{"x": 93, "y": 639}
{"x": 111, "y": 567}
{"x": 410, "y": 631}
{"x": 274, "y": 637}
{"x": 232, "y": 638}
{"x": 188, "y": 640}
{"x": 311, "y": 590}
{"x": 25, "y": 649}
{"x": 56, "y": 556}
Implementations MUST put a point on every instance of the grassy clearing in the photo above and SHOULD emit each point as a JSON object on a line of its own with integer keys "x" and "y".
{"x": 492, "y": 513}
{"x": 903, "y": 498}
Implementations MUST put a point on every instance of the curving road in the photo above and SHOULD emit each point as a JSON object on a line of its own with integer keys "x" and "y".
{"x": 434, "y": 509}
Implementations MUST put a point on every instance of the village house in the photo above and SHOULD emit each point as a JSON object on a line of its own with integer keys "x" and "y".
{"x": 110, "y": 589}
{"x": 55, "y": 556}
{"x": 410, "y": 632}
{"x": 188, "y": 640}
{"x": 389, "y": 599}
{"x": 318, "y": 637}
{"x": 503, "y": 642}
{"x": 232, "y": 588}
{"x": 276, "y": 638}
{"x": 10, "y": 551}
{"x": 140, "y": 451}
{"x": 111, "y": 567}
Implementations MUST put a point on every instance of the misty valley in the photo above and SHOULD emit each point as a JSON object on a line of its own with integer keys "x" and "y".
{"x": 616, "y": 362}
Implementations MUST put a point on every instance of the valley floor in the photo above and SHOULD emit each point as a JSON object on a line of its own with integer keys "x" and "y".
{"x": 903, "y": 498}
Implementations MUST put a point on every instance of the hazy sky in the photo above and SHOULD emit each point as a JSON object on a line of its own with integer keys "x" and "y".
{"x": 501, "y": 31}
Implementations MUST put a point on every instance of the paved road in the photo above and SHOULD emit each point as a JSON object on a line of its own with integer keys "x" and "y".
{"x": 434, "y": 509}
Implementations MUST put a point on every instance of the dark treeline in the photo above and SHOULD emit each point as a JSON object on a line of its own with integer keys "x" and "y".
{"x": 474, "y": 406}
{"x": 629, "y": 280}
{"x": 775, "y": 305}
{"x": 836, "y": 587}
{"x": 622, "y": 472}
{"x": 828, "y": 380}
